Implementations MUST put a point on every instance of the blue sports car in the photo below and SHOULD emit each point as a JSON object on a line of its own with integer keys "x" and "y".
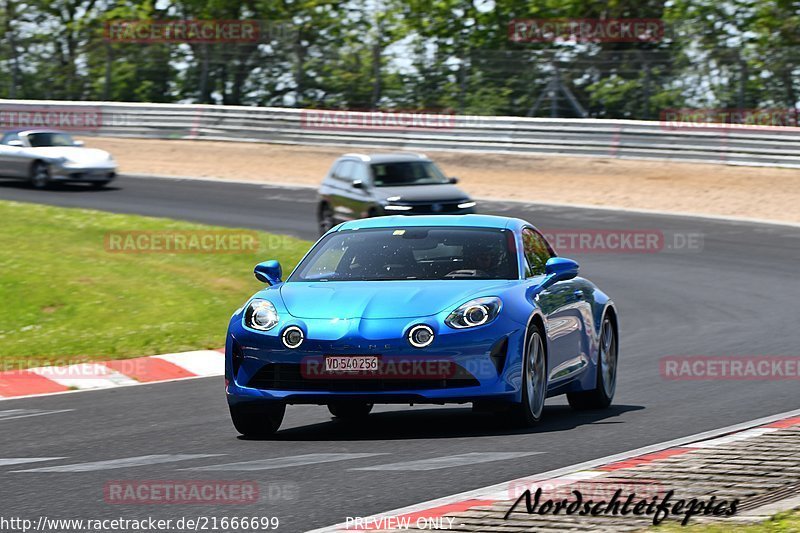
{"x": 426, "y": 309}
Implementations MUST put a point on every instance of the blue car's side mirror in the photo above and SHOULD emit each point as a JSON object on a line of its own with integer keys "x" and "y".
{"x": 561, "y": 268}
{"x": 556, "y": 269}
{"x": 268, "y": 272}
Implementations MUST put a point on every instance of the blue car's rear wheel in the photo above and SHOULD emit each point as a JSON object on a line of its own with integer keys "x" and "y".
{"x": 257, "y": 420}
{"x": 606, "y": 382}
{"x": 534, "y": 381}
{"x": 350, "y": 410}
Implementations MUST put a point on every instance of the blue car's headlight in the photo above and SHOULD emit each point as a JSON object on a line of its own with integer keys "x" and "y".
{"x": 475, "y": 313}
{"x": 261, "y": 315}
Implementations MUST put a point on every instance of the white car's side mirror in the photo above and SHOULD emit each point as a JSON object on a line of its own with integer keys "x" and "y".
{"x": 18, "y": 144}
{"x": 78, "y": 143}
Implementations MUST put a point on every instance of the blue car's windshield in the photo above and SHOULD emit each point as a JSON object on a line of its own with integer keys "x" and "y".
{"x": 411, "y": 254}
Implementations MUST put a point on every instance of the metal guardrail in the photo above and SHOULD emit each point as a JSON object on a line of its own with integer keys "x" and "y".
{"x": 629, "y": 139}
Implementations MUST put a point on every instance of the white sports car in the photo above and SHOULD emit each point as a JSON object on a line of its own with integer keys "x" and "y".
{"x": 46, "y": 156}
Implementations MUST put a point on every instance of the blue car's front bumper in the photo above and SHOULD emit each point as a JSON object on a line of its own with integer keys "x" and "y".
{"x": 483, "y": 363}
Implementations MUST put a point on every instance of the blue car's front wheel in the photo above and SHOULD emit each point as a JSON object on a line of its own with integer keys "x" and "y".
{"x": 257, "y": 420}
{"x": 350, "y": 410}
{"x": 534, "y": 381}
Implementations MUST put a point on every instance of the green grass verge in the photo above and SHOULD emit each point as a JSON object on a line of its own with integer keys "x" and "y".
{"x": 67, "y": 298}
{"x": 782, "y": 523}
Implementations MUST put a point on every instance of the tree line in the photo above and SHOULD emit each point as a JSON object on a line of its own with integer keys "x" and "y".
{"x": 448, "y": 55}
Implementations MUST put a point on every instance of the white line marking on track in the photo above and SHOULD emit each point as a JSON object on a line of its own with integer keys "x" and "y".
{"x": 199, "y": 363}
{"x": 84, "y": 376}
{"x": 448, "y": 461}
{"x": 285, "y": 462}
{"x": 127, "y": 462}
{"x": 736, "y": 437}
{"x": 11, "y": 414}
{"x": 502, "y": 488}
{"x": 81, "y": 391}
{"x": 22, "y": 460}
{"x": 518, "y": 486}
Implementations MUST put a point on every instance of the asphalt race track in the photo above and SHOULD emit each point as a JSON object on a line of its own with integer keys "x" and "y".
{"x": 737, "y": 296}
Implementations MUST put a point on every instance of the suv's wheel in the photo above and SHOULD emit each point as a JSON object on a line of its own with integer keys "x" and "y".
{"x": 325, "y": 218}
{"x": 257, "y": 420}
{"x": 350, "y": 410}
{"x": 606, "y": 384}
{"x": 40, "y": 175}
{"x": 534, "y": 381}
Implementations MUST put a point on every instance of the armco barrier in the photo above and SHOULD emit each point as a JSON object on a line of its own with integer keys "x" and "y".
{"x": 628, "y": 139}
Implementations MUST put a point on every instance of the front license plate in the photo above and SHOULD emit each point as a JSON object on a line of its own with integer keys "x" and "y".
{"x": 351, "y": 363}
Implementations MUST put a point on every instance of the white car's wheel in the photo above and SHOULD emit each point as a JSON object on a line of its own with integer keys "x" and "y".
{"x": 39, "y": 175}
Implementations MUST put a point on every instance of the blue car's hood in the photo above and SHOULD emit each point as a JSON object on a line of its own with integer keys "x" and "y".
{"x": 381, "y": 299}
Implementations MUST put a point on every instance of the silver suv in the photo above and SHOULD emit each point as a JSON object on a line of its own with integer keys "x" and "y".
{"x": 361, "y": 186}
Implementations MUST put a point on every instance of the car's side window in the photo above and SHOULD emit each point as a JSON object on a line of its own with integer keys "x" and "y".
{"x": 333, "y": 171}
{"x": 344, "y": 171}
{"x": 8, "y": 137}
{"x": 526, "y": 267}
{"x": 360, "y": 173}
{"x": 537, "y": 252}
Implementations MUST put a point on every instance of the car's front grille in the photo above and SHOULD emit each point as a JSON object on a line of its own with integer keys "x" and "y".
{"x": 288, "y": 376}
{"x": 435, "y": 208}
{"x": 96, "y": 174}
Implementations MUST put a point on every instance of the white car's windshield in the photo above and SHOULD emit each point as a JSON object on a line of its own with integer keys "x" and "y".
{"x": 411, "y": 254}
{"x": 44, "y": 139}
